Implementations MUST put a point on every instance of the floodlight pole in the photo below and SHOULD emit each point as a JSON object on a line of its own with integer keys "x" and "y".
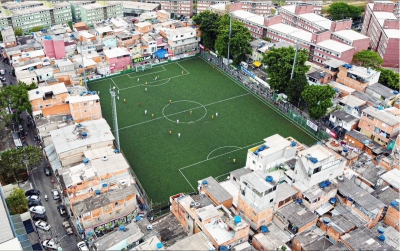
{"x": 83, "y": 66}
{"x": 114, "y": 106}
{"x": 230, "y": 34}
{"x": 294, "y": 62}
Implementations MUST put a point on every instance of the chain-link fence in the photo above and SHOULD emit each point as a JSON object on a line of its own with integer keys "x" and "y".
{"x": 266, "y": 95}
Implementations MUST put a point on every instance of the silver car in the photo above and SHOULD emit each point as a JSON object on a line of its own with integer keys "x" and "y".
{"x": 56, "y": 194}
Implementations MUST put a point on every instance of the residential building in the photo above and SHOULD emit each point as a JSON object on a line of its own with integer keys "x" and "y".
{"x": 259, "y": 7}
{"x": 261, "y": 47}
{"x": 317, "y": 4}
{"x": 254, "y": 22}
{"x": 75, "y": 9}
{"x": 275, "y": 151}
{"x": 83, "y": 108}
{"x": 71, "y": 141}
{"x": 342, "y": 119}
{"x": 360, "y": 202}
{"x": 332, "y": 67}
{"x": 44, "y": 73}
{"x": 357, "y": 77}
{"x": 314, "y": 166}
{"x": 380, "y": 125}
{"x": 27, "y": 15}
{"x": 152, "y": 243}
{"x": 182, "y": 40}
{"x": 381, "y": 92}
{"x": 391, "y": 178}
{"x": 352, "y": 38}
{"x": 203, "y": 5}
{"x": 143, "y": 27}
{"x": 198, "y": 213}
{"x": 126, "y": 237}
{"x": 311, "y": 239}
{"x": 176, "y": 8}
{"x": 99, "y": 11}
{"x": 295, "y": 218}
{"x": 44, "y": 99}
{"x": 9, "y": 40}
{"x": 197, "y": 241}
{"x": 357, "y": 140}
{"x": 54, "y": 46}
{"x": 337, "y": 227}
{"x": 131, "y": 8}
{"x": 274, "y": 238}
{"x": 118, "y": 58}
{"x": 163, "y": 16}
{"x": 353, "y": 105}
{"x": 364, "y": 238}
{"x": 26, "y": 56}
{"x": 26, "y": 76}
{"x": 342, "y": 90}
{"x": 393, "y": 214}
{"x": 217, "y": 194}
{"x": 382, "y": 26}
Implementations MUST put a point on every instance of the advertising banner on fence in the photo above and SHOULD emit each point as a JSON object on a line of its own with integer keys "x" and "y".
{"x": 312, "y": 125}
{"x": 259, "y": 80}
{"x": 248, "y": 72}
{"x": 331, "y": 133}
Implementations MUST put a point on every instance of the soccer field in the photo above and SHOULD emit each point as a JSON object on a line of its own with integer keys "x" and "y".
{"x": 167, "y": 164}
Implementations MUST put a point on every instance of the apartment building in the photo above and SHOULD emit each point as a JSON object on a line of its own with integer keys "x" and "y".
{"x": 9, "y": 40}
{"x": 317, "y": 4}
{"x": 352, "y": 38}
{"x": 54, "y": 46}
{"x": 176, "y": 8}
{"x": 382, "y": 92}
{"x": 136, "y": 8}
{"x": 27, "y": 15}
{"x": 182, "y": 40}
{"x": 203, "y": 5}
{"x": 84, "y": 108}
{"x": 100, "y": 189}
{"x": 379, "y": 125}
{"x": 255, "y": 23}
{"x": 75, "y": 9}
{"x": 198, "y": 213}
{"x": 272, "y": 238}
{"x": 45, "y": 98}
{"x": 27, "y": 56}
{"x": 295, "y": 218}
{"x": 259, "y": 7}
{"x": 118, "y": 58}
{"x": 382, "y": 26}
{"x": 99, "y": 11}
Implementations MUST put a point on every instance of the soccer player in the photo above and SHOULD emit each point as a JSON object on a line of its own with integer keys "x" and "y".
{"x": 212, "y": 116}
{"x": 170, "y": 132}
{"x": 190, "y": 112}
{"x": 145, "y": 89}
{"x": 145, "y": 111}
{"x": 216, "y": 114}
{"x": 179, "y": 135}
{"x": 152, "y": 115}
{"x": 177, "y": 121}
{"x": 182, "y": 72}
{"x": 138, "y": 79}
{"x": 170, "y": 101}
{"x": 140, "y": 103}
{"x": 124, "y": 100}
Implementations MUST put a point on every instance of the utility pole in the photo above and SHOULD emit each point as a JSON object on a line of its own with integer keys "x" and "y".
{"x": 230, "y": 34}
{"x": 83, "y": 66}
{"x": 114, "y": 106}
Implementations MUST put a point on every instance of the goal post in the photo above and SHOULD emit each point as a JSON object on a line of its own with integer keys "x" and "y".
{"x": 143, "y": 67}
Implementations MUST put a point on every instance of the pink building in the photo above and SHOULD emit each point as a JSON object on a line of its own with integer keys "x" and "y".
{"x": 118, "y": 58}
{"x": 381, "y": 25}
{"x": 316, "y": 3}
{"x": 259, "y": 7}
{"x": 357, "y": 40}
{"x": 54, "y": 46}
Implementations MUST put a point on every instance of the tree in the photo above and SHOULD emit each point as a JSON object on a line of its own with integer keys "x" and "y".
{"x": 341, "y": 10}
{"x": 208, "y": 24}
{"x": 367, "y": 58}
{"x": 18, "y": 31}
{"x": 12, "y": 162}
{"x": 279, "y": 67}
{"x": 389, "y": 78}
{"x": 70, "y": 25}
{"x": 16, "y": 97}
{"x": 36, "y": 28}
{"x": 17, "y": 202}
{"x": 318, "y": 98}
{"x": 239, "y": 41}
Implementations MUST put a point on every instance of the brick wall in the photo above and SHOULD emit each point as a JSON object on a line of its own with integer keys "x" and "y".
{"x": 341, "y": 25}
{"x": 392, "y": 218}
{"x": 302, "y": 9}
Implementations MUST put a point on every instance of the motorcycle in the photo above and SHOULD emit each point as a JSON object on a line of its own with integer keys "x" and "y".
{"x": 45, "y": 197}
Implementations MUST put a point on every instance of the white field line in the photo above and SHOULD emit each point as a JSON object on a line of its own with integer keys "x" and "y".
{"x": 138, "y": 76}
{"x": 182, "y": 67}
{"x": 149, "y": 83}
{"x": 126, "y": 127}
{"x": 239, "y": 148}
{"x": 115, "y": 83}
{"x": 220, "y": 148}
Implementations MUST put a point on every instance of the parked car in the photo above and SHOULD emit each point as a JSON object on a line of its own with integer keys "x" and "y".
{"x": 82, "y": 246}
{"x": 41, "y": 217}
{"x": 33, "y": 198}
{"x": 67, "y": 226}
{"x": 33, "y": 203}
{"x": 50, "y": 244}
{"x": 62, "y": 210}
{"x": 42, "y": 225}
{"x": 32, "y": 192}
{"x": 3, "y": 79}
{"x": 38, "y": 209}
{"x": 56, "y": 194}
{"x": 2, "y": 71}
{"x": 47, "y": 171}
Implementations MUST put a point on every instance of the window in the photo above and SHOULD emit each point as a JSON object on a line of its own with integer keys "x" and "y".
{"x": 116, "y": 204}
{"x": 272, "y": 200}
{"x": 84, "y": 104}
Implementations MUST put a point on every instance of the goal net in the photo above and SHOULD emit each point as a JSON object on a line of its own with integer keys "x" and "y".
{"x": 144, "y": 67}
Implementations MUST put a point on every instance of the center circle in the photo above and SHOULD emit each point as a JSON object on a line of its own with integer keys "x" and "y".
{"x": 200, "y": 105}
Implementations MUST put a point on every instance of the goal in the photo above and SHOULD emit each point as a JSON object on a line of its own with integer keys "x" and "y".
{"x": 144, "y": 67}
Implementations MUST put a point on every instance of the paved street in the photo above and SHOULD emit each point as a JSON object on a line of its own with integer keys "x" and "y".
{"x": 44, "y": 184}
{"x": 8, "y": 69}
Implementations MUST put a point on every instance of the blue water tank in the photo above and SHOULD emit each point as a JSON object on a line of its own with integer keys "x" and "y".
{"x": 332, "y": 200}
{"x": 293, "y": 144}
{"x": 85, "y": 160}
{"x": 37, "y": 92}
{"x": 84, "y": 134}
{"x": 256, "y": 152}
{"x": 350, "y": 199}
{"x": 138, "y": 218}
{"x": 122, "y": 228}
{"x": 104, "y": 185}
{"x": 345, "y": 150}
{"x": 269, "y": 178}
{"x": 313, "y": 160}
{"x": 382, "y": 237}
{"x": 327, "y": 183}
{"x": 89, "y": 93}
{"x": 300, "y": 201}
{"x": 395, "y": 92}
{"x": 326, "y": 220}
{"x": 223, "y": 248}
{"x": 97, "y": 192}
{"x": 381, "y": 230}
{"x": 205, "y": 182}
{"x": 322, "y": 184}
{"x": 94, "y": 92}
{"x": 116, "y": 151}
{"x": 394, "y": 203}
{"x": 79, "y": 125}
{"x": 159, "y": 245}
{"x": 264, "y": 229}
{"x": 237, "y": 219}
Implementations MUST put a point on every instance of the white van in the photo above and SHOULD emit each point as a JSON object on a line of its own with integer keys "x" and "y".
{"x": 244, "y": 64}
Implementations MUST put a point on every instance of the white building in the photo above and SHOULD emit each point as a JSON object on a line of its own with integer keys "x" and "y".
{"x": 182, "y": 40}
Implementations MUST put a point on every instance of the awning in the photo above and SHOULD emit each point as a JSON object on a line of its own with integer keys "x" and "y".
{"x": 324, "y": 208}
{"x": 257, "y": 63}
{"x": 161, "y": 53}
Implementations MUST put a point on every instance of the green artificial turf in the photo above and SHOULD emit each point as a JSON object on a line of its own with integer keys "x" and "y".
{"x": 207, "y": 146}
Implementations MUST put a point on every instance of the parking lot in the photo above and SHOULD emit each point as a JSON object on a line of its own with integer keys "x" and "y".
{"x": 46, "y": 184}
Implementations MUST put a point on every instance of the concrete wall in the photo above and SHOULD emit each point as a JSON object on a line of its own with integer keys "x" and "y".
{"x": 392, "y": 218}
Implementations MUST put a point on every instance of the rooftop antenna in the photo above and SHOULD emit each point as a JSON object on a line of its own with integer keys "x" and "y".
{"x": 115, "y": 117}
